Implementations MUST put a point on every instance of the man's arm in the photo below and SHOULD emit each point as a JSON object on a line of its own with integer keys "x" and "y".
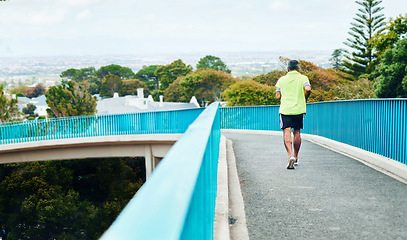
{"x": 278, "y": 93}
{"x": 307, "y": 89}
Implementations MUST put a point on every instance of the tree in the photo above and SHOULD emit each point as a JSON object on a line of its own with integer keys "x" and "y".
{"x": 35, "y": 204}
{"x": 368, "y": 22}
{"x": 122, "y": 72}
{"x": 71, "y": 199}
{"x": 94, "y": 84}
{"x": 78, "y": 75}
{"x": 212, "y": 62}
{"x": 391, "y": 73}
{"x": 36, "y": 91}
{"x": 29, "y": 111}
{"x": 9, "y": 110}
{"x": 69, "y": 74}
{"x": 19, "y": 91}
{"x": 305, "y": 66}
{"x": 110, "y": 85}
{"x": 147, "y": 75}
{"x": 250, "y": 93}
{"x": 70, "y": 99}
{"x": 174, "y": 93}
{"x": 395, "y": 30}
{"x": 205, "y": 84}
{"x": 129, "y": 87}
{"x": 167, "y": 74}
{"x": 336, "y": 58}
{"x": 359, "y": 89}
{"x": 270, "y": 78}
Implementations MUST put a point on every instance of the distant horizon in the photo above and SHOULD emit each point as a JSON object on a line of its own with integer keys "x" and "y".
{"x": 241, "y": 63}
{"x": 169, "y": 54}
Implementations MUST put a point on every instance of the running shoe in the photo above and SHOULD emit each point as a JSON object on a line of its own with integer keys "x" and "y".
{"x": 291, "y": 163}
{"x": 296, "y": 162}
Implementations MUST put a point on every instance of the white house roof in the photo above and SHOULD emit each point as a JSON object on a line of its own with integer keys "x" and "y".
{"x": 118, "y": 105}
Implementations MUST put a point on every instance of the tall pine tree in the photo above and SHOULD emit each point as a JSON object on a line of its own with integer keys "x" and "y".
{"x": 368, "y": 22}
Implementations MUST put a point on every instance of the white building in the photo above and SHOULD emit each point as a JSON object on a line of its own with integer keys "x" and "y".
{"x": 139, "y": 103}
{"x": 117, "y": 105}
{"x": 39, "y": 102}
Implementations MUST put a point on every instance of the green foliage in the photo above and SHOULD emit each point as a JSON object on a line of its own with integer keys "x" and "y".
{"x": 322, "y": 79}
{"x": 35, "y": 91}
{"x": 175, "y": 93}
{"x": 270, "y": 78}
{"x": 368, "y": 22}
{"x": 94, "y": 84}
{"x": 306, "y": 67}
{"x": 19, "y": 91}
{"x": 319, "y": 95}
{"x": 395, "y": 30}
{"x": 205, "y": 84}
{"x": 78, "y": 75}
{"x": 70, "y": 99}
{"x": 129, "y": 87}
{"x": 167, "y": 74}
{"x": 250, "y": 93}
{"x": 110, "y": 85}
{"x": 212, "y": 62}
{"x": 147, "y": 75}
{"x": 8, "y": 108}
{"x": 76, "y": 199}
{"x": 122, "y": 72}
{"x": 360, "y": 89}
{"x": 391, "y": 73}
{"x": 29, "y": 111}
{"x": 157, "y": 93}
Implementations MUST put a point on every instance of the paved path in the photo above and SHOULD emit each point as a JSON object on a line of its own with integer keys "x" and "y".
{"x": 328, "y": 196}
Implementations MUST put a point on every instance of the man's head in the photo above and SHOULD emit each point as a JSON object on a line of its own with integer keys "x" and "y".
{"x": 293, "y": 65}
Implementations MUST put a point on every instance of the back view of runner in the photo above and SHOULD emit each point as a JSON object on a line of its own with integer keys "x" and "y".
{"x": 293, "y": 89}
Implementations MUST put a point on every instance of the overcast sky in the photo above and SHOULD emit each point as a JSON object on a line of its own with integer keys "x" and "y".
{"x": 98, "y": 27}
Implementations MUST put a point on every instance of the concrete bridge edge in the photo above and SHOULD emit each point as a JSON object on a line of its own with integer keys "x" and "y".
{"x": 221, "y": 223}
{"x": 230, "y": 218}
{"x": 385, "y": 165}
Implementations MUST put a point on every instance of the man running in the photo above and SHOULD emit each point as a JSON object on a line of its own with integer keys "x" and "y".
{"x": 293, "y": 89}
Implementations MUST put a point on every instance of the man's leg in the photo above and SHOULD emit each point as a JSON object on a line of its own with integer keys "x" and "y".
{"x": 288, "y": 147}
{"x": 288, "y": 141}
{"x": 297, "y": 142}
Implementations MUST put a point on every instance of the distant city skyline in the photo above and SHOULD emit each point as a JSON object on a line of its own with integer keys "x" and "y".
{"x": 244, "y": 63}
{"x": 100, "y": 27}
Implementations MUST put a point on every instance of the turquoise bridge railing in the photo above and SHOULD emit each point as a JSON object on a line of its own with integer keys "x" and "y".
{"x": 178, "y": 200}
{"x": 98, "y": 125}
{"x": 375, "y": 125}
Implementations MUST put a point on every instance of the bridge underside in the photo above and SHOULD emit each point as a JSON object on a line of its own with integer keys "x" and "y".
{"x": 152, "y": 146}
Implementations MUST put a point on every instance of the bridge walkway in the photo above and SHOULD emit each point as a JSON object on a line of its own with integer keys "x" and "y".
{"x": 328, "y": 196}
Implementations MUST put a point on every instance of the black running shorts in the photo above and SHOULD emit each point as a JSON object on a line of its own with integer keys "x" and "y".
{"x": 292, "y": 121}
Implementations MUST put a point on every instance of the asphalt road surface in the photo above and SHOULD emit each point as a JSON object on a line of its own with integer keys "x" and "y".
{"x": 328, "y": 196}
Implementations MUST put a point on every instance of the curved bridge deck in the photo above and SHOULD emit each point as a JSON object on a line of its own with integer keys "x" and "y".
{"x": 328, "y": 196}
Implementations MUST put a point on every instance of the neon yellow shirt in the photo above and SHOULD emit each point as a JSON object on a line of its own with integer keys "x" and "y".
{"x": 292, "y": 93}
